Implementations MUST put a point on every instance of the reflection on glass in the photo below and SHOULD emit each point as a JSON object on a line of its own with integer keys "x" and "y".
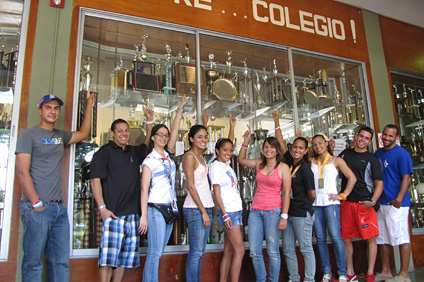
{"x": 331, "y": 97}
{"x": 9, "y": 45}
{"x": 245, "y": 80}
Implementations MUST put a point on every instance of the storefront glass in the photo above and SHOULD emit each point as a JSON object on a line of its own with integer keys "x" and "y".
{"x": 130, "y": 63}
{"x": 10, "y": 31}
{"x": 408, "y": 95}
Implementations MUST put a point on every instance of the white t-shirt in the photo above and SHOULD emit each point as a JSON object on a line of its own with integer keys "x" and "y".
{"x": 163, "y": 169}
{"x": 223, "y": 175}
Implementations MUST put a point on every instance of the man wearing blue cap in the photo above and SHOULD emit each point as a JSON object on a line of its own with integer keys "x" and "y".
{"x": 39, "y": 153}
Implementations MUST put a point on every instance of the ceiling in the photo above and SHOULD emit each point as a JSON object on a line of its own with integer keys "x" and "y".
{"x": 408, "y": 11}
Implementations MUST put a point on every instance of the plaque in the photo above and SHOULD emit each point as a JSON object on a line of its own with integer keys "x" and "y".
{"x": 185, "y": 76}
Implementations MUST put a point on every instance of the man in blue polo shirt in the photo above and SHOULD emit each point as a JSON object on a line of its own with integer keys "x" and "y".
{"x": 393, "y": 215}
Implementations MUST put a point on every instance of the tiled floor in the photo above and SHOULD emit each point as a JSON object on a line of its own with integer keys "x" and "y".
{"x": 417, "y": 275}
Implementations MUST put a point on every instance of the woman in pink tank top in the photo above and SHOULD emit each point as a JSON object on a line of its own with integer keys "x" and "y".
{"x": 269, "y": 213}
{"x": 198, "y": 204}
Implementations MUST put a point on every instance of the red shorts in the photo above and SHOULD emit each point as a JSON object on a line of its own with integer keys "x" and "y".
{"x": 357, "y": 222}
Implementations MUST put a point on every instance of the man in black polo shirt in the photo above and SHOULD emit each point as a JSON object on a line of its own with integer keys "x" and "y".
{"x": 357, "y": 215}
{"x": 115, "y": 182}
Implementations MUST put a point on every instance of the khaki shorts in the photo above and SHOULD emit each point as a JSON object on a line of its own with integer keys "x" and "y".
{"x": 393, "y": 225}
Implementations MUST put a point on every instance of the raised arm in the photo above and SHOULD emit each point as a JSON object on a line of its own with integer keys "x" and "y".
{"x": 176, "y": 124}
{"x": 241, "y": 159}
{"x": 278, "y": 132}
{"x": 205, "y": 119}
{"x": 84, "y": 131}
{"x": 149, "y": 124}
{"x": 189, "y": 165}
{"x": 232, "y": 126}
{"x": 96, "y": 188}
{"x": 23, "y": 164}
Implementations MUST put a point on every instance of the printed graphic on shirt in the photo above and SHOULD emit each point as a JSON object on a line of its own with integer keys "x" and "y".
{"x": 51, "y": 141}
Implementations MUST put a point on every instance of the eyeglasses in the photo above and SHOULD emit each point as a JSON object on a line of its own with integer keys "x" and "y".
{"x": 162, "y": 135}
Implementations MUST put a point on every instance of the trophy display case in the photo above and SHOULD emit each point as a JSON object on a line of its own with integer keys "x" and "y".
{"x": 408, "y": 96}
{"x": 134, "y": 65}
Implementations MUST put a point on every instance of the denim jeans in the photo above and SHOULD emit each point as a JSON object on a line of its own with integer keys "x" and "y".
{"x": 46, "y": 232}
{"x": 328, "y": 218}
{"x": 264, "y": 223}
{"x": 158, "y": 233}
{"x": 198, "y": 237}
{"x": 299, "y": 228}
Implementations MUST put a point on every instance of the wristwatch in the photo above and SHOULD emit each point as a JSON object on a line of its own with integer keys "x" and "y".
{"x": 284, "y": 216}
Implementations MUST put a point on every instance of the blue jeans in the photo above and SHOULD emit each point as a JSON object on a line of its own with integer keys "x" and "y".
{"x": 198, "y": 237}
{"x": 299, "y": 228}
{"x": 158, "y": 233}
{"x": 328, "y": 218}
{"x": 264, "y": 223}
{"x": 46, "y": 232}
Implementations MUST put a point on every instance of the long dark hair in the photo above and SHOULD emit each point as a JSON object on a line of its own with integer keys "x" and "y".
{"x": 152, "y": 144}
{"x": 193, "y": 130}
{"x": 290, "y": 161}
{"x": 330, "y": 151}
{"x": 273, "y": 142}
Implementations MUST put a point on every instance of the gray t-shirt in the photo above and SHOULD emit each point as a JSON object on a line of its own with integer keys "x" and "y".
{"x": 46, "y": 149}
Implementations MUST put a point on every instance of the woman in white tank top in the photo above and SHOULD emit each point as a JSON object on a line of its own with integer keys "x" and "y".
{"x": 327, "y": 204}
{"x": 198, "y": 204}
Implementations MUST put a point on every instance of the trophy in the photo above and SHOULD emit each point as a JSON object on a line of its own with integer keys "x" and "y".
{"x": 187, "y": 57}
{"x": 87, "y": 77}
{"x": 229, "y": 62}
{"x": 168, "y": 75}
{"x": 144, "y": 55}
{"x": 137, "y": 57}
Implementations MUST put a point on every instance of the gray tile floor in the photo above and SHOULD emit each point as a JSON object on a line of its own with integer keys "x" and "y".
{"x": 417, "y": 275}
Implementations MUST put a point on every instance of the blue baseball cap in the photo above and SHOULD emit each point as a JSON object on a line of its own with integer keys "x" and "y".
{"x": 49, "y": 98}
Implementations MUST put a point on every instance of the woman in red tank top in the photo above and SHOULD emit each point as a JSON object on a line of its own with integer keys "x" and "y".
{"x": 269, "y": 213}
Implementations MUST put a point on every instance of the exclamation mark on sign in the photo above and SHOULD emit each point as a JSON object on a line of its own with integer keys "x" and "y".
{"x": 352, "y": 26}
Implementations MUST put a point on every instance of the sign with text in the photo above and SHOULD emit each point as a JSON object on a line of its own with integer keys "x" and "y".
{"x": 325, "y": 26}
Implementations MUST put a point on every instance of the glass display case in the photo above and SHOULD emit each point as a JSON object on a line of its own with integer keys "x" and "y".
{"x": 408, "y": 94}
{"x": 131, "y": 64}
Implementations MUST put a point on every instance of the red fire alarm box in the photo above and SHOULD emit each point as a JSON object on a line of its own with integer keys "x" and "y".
{"x": 57, "y": 3}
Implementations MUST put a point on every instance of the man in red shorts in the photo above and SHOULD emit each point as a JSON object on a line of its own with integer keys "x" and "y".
{"x": 358, "y": 217}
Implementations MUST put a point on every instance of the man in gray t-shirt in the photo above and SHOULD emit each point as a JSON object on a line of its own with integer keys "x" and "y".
{"x": 39, "y": 153}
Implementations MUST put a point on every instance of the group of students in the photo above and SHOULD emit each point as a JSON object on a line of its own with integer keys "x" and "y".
{"x": 310, "y": 199}
{"x": 296, "y": 193}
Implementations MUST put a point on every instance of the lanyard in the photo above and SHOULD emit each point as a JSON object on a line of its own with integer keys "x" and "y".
{"x": 322, "y": 165}
{"x": 296, "y": 169}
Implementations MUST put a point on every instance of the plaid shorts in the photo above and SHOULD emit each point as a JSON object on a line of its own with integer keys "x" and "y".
{"x": 120, "y": 241}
